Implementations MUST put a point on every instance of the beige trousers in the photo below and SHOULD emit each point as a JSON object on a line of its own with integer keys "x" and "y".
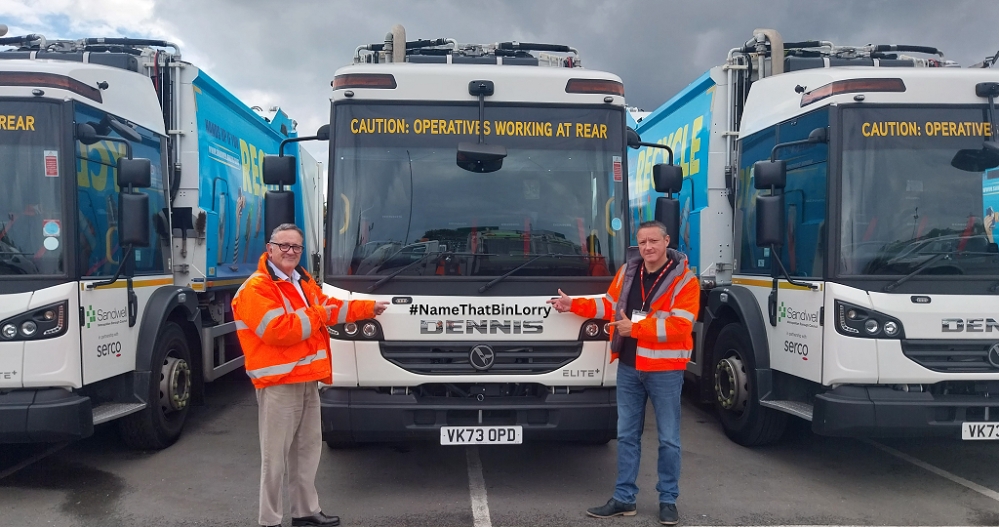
{"x": 290, "y": 443}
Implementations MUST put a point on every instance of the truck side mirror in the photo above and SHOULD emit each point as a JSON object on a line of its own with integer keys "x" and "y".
{"x": 667, "y": 178}
{"x": 133, "y": 224}
{"x": 134, "y": 172}
{"x": 86, "y": 134}
{"x": 769, "y": 174}
{"x": 279, "y": 207}
{"x": 634, "y": 140}
{"x": 668, "y": 213}
{"x": 770, "y": 221}
{"x": 279, "y": 170}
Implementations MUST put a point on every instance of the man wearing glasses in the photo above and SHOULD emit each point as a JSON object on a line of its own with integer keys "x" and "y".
{"x": 281, "y": 316}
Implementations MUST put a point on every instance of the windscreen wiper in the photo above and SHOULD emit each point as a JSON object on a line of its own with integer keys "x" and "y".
{"x": 503, "y": 276}
{"x": 396, "y": 273}
{"x": 919, "y": 268}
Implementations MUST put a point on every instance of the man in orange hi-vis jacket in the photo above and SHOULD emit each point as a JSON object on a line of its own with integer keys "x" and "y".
{"x": 654, "y": 300}
{"x": 281, "y": 316}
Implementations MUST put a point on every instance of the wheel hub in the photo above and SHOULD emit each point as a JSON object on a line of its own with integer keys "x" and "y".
{"x": 730, "y": 383}
{"x": 175, "y": 384}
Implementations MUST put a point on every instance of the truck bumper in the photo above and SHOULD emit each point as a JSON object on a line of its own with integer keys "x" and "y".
{"x": 364, "y": 415}
{"x": 881, "y": 411}
{"x": 44, "y": 416}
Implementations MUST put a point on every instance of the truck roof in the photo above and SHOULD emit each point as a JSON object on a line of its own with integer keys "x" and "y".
{"x": 128, "y": 95}
{"x": 449, "y": 82}
{"x": 774, "y": 99}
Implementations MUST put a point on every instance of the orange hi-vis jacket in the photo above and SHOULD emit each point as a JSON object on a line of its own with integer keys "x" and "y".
{"x": 284, "y": 340}
{"x": 665, "y": 335}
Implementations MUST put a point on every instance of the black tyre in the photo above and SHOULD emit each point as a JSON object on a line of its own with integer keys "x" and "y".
{"x": 736, "y": 398}
{"x": 160, "y": 423}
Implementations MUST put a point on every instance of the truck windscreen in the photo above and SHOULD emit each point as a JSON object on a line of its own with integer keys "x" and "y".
{"x": 31, "y": 237}
{"x": 907, "y": 198}
{"x": 400, "y": 200}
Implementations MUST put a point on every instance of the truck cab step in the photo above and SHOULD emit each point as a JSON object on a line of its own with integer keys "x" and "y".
{"x": 795, "y": 408}
{"x": 109, "y": 411}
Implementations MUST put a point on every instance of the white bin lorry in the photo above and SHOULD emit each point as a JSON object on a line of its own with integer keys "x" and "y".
{"x": 132, "y": 209}
{"x": 467, "y": 183}
{"x": 838, "y": 204}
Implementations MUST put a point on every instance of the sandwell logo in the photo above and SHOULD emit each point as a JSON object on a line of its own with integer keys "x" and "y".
{"x": 796, "y": 317}
{"x": 103, "y": 317}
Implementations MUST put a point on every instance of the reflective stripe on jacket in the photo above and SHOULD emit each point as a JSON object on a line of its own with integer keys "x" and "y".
{"x": 284, "y": 339}
{"x": 665, "y": 335}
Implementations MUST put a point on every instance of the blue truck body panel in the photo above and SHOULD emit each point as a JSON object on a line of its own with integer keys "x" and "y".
{"x": 232, "y": 143}
{"x": 684, "y": 124}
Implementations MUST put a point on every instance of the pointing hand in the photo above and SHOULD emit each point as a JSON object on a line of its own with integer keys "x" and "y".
{"x": 623, "y": 324}
{"x": 562, "y": 304}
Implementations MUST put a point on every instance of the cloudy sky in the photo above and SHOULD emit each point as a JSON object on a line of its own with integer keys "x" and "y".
{"x": 284, "y": 53}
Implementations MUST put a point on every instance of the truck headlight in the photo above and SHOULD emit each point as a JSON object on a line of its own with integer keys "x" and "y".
{"x": 856, "y": 321}
{"x": 38, "y": 323}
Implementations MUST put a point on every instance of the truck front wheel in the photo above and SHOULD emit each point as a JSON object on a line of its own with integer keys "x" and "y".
{"x": 159, "y": 424}
{"x": 736, "y": 398}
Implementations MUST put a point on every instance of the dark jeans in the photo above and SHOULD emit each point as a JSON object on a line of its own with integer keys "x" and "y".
{"x": 634, "y": 388}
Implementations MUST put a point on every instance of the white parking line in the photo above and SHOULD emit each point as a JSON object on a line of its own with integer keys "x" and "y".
{"x": 984, "y": 491}
{"x": 477, "y": 488}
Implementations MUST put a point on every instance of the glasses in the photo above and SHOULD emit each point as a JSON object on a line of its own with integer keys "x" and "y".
{"x": 285, "y": 247}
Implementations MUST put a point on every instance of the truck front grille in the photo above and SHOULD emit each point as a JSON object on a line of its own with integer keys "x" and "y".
{"x": 454, "y": 358}
{"x": 952, "y": 356}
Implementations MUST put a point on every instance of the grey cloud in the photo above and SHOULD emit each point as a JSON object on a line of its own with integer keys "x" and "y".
{"x": 292, "y": 48}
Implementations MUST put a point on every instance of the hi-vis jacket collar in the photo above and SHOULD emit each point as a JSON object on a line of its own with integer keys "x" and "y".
{"x": 632, "y": 265}
{"x": 305, "y": 276}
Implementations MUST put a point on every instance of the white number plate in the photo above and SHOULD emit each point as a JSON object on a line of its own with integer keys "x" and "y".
{"x": 482, "y": 435}
{"x": 972, "y": 431}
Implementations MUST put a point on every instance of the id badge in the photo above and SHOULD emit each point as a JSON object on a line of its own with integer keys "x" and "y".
{"x": 637, "y": 316}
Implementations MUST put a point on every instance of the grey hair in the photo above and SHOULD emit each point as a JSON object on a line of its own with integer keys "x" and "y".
{"x": 287, "y": 227}
{"x": 653, "y": 224}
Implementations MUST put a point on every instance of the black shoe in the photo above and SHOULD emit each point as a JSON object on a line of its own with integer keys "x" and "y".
{"x": 317, "y": 520}
{"x": 613, "y": 508}
{"x": 668, "y": 514}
